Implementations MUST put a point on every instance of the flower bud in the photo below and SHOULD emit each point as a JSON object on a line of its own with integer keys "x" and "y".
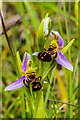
{"x": 43, "y": 31}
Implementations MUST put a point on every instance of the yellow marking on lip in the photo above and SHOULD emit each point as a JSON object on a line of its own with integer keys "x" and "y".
{"x": 35, "y": 87}
{"x": 54, "y": 44}
{"x": 45, "y": 54}
{"x": 26, "y": 82}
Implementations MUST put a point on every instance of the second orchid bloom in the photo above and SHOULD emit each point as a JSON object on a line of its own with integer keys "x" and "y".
{"x": 53, "y": 52}
{"x": 29, "y": 76}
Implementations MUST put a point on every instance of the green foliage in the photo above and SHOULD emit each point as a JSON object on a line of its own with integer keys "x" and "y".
{"x": 40, "y": 109}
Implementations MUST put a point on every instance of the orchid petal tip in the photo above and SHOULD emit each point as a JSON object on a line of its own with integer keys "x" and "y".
{"x": 72, "y": 68}
{"x": 5, "y": 89}
{"x": 45, "y": 82}
{"x": 36, "y": 53}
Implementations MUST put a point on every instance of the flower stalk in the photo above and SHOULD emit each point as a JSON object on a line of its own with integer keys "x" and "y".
{"x": 7, "y": 39}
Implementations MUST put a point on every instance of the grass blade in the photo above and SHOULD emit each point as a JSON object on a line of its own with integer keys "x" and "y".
{"x": 70, "y": 74}
{"x": 25, "y": 29}
{"x": 40, "y": 110}
{"x": 10, "y": 107}
{"x": 48, "y": 90}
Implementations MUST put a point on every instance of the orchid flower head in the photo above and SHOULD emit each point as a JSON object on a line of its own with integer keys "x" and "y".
{"x": 19, "y": 83}
{"x": 56, "y": 36}
{"x": 30, "y": 70}
{"x": 61, "y": 59}
{"x": 57, "y": 43}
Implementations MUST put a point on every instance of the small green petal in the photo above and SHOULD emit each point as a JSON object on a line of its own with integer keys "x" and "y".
{"x": 67, "y": 46}
{"x": 19, "y": 61}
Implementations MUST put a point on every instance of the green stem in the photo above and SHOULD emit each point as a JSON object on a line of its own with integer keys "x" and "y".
{"x": 60, "y": 27}
{"x": 28, "y": 49}
{"x": 48, "y": 90}
{"x": 23, "y": 104}
{"x": 69, "y": 51}
{"x": 25, "y": 29}
{"x": 48, "y": 69}
{"x": 8, "y": 42}
{"x": 4, "y": 29}
{"x": 78, "y": 114}
{"x": 15, "y": 64}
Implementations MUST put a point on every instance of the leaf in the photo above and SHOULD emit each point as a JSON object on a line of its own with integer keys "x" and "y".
{"x": 48, "y": 89}
{"x": 28, "y": 110}
{"x": 40, "y": 110}
{"x": 67, "y": 46}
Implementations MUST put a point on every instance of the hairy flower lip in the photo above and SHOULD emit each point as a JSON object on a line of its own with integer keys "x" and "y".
{"x": 19, "y": 83}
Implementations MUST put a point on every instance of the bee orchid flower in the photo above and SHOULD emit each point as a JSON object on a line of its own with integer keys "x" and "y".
{"x": 61, "y": 59}
{"x": 19, "y": 83}
{"x": 57, "y": 43}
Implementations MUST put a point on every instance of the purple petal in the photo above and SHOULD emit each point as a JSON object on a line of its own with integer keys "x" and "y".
{"x": 60, "y": 40}
{"x": 15, "y": 85}
{"x": 62, "y": 60}
{"x": 25, "y": 60}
